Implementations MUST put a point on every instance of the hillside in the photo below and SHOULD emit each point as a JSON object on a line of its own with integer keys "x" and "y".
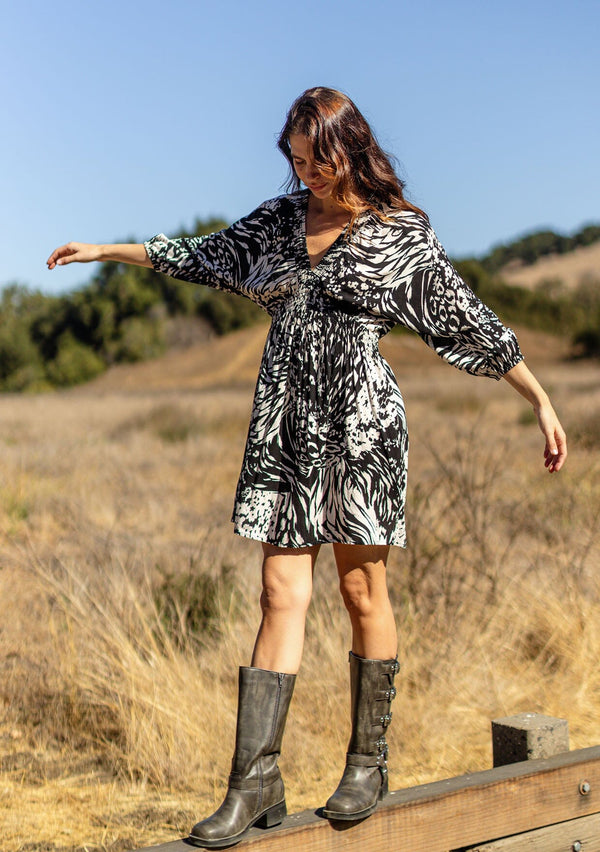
{"x": 581, "y": 264}
{"x": 231, "y": 361}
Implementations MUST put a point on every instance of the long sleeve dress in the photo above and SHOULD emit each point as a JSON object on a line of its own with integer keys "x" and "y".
{"x": 326, "y": 452}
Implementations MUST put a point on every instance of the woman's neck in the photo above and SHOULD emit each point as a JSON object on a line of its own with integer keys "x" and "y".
{"x": 326, "y": 207}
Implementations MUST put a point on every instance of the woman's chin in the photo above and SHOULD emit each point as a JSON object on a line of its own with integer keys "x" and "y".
{"x": 320, "y": 192}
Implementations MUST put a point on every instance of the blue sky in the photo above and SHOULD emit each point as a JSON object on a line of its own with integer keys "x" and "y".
{"x": 120, "y": 120}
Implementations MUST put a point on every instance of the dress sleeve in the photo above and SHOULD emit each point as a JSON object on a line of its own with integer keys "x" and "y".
{"x": 234, "y": 259}
{"x": 422, "y": 291}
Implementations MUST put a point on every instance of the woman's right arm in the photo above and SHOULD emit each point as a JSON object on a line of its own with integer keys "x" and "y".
{"x": 235, "y": 259}
{"x": 134, "y": 253}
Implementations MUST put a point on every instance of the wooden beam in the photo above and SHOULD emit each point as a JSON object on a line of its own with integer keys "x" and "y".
{"x": 581, "y": 834}
{"x": 447, "y": 815}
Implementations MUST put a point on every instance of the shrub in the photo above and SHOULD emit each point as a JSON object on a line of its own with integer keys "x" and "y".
{"x": 30, "y": 377}
{"x": 193, "y": 605}
{"x": 17, "y": 350}
{"x": 226, "y": 312}
{"x": 587, "y": 342}
{"x": 74, "y": 362}
{"x": 140, "y": 338}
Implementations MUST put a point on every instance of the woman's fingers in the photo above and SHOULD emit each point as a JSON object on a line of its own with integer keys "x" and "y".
{"x": 72, "y": 253}
{"x": 555, "y": 452}
{"x": 558, "y": 459}
{"x": 62, "y": 255}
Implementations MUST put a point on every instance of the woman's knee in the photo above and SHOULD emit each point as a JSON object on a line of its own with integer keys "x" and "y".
{"x": 357, "y": 592}
{"x": 287, "y": 583}
{"x": 362, "y": 573}
{"x": 280, "y": 595}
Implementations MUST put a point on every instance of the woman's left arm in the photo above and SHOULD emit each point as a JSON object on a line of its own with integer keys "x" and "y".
{"x": 522, "y": 379}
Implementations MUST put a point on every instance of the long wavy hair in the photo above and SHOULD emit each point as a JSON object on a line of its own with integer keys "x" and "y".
{"x": 345, "y": 149}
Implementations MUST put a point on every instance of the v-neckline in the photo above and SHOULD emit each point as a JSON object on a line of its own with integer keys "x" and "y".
{"x": 306, "y": 255}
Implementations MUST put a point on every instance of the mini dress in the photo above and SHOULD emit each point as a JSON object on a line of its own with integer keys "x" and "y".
{"x": 327, "y": 446}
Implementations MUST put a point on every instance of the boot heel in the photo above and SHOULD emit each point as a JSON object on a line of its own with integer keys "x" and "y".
{"x": 273, "y": 816}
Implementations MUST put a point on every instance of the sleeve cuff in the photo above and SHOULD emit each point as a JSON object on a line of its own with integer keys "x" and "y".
{"x": 155, "y": 247}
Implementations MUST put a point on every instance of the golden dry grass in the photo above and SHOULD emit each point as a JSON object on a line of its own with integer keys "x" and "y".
{"x": 126, "y": 603}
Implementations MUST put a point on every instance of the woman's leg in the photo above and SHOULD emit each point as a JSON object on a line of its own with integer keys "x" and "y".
{"x": 373, "y": 666}
{"x": 287, "y": 575}
{"x": 256, "y": 795}
{"x": 363, "y": 584}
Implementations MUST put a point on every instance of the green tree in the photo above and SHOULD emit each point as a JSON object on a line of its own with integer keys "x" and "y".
{"x": 74, "y": 362}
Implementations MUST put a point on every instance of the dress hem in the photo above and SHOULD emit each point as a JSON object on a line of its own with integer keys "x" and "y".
{"x": 250, "y": 534}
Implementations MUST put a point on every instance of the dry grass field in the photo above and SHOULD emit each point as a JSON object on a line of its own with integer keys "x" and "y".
{"x": 127, "y": 604}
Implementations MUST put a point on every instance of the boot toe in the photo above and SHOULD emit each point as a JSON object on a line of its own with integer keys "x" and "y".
{"x": 226, "y": 826}
{"x": 351, "y": 804}
{"x": 358, "y": 794}
{"x": 341, "y": 805}
{"x": 211, "y": 837}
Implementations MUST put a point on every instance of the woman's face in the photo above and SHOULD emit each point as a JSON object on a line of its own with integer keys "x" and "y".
{"x": 304, "y": 166}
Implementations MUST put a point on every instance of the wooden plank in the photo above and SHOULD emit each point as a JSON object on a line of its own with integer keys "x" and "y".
{"x": 584, "y": 831}
{"x": 446, "y": 815}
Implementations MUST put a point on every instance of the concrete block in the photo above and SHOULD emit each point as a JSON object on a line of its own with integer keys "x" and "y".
{"x": 528, "y": 736}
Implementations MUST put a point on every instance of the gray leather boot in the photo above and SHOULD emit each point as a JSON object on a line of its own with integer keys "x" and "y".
{"x": 255, "y": 795}
{"x": 365, "y": 779}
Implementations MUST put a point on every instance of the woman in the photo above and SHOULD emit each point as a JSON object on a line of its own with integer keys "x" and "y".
{"x": 336, "y": 265}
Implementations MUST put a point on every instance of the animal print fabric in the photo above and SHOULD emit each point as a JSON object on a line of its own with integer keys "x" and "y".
{"x": 327, "y": 446}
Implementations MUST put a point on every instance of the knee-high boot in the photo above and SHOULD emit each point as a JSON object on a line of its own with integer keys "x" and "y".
{"x": 255, "y": 795}
{"x": 365, "y": 779}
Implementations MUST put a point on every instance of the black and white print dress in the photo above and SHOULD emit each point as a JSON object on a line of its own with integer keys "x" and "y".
{"x": 326, "y": 453}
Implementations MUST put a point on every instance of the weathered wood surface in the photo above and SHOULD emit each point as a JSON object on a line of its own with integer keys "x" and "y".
{"x": 446, "y": 815}
{"x": 563, "y": 837}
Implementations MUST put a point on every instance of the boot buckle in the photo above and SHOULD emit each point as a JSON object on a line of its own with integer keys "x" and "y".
{"x": 382, "y": 762}
{"x": 390, "y": 694}
{"x": 383, "y": 751}
{"x": 384, "y": 721}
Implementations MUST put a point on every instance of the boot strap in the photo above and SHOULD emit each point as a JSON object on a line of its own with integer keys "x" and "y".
{"x": 239, "y": 782}
{"x": 367, "y": 760}
{"x": 392, "y": 667}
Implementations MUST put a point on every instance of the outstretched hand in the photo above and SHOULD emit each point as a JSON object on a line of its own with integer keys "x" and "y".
{"x": 73, "y": 253}
{"x": 555, "y": 451}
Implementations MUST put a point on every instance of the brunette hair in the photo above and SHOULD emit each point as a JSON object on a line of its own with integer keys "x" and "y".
{"x": 345, "y": 149}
